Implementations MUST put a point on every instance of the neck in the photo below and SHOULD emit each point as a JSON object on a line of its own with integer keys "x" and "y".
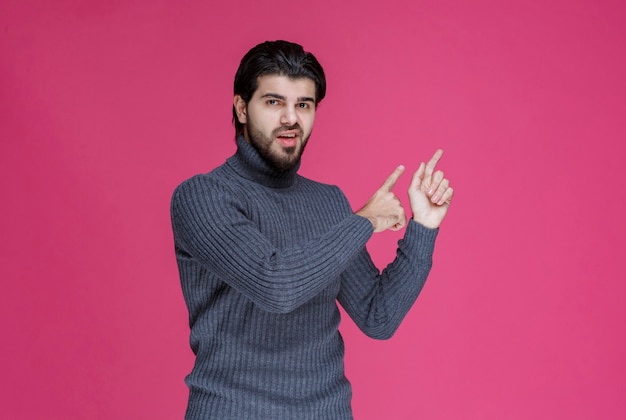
{"x": 250, "y": 165}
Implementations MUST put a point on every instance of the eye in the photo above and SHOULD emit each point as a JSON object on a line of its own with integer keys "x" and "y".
{"x": 272, "y": 102}
{"x": 303, "y": 105}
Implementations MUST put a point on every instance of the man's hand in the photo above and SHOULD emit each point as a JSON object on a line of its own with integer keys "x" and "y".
{"x": 384, "y": 209}
{"x": 430, "y": 193}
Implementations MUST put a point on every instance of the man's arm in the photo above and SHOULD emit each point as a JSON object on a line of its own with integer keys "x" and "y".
{"x": 378, "y": 302}
{"x": 211, "y": 225}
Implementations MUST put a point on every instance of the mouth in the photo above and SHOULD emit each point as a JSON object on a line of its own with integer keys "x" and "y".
{"x": 288, "y": 138}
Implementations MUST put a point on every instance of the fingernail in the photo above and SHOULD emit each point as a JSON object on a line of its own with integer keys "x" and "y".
{"x": 431, "y": 191}
{"x": 435, "y": 199}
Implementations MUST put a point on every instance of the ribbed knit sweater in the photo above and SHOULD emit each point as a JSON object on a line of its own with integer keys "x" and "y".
{"x": 264, "y": 257}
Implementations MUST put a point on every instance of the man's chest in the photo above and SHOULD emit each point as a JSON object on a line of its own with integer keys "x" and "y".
{"x": 289, "y": 218}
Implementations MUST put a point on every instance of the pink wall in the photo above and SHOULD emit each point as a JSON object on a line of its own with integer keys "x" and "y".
{"x": 106, "y": 106}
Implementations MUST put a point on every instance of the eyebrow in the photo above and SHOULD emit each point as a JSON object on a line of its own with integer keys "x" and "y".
{"x": 283, "y": 98}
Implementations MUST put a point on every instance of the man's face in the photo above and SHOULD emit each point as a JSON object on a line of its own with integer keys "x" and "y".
{"x": 279, "y": 118}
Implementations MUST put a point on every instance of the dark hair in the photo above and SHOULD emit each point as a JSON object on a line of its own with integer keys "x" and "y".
{"x": 280, "y": 58}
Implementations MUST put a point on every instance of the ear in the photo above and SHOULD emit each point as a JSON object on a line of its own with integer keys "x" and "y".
{"x": 240, "y": 109}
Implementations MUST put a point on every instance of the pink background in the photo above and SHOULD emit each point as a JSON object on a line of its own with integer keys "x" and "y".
{"x": 105, "y": 106}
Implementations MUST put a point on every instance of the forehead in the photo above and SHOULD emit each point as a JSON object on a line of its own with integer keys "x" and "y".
{"x": 285, "y": 86}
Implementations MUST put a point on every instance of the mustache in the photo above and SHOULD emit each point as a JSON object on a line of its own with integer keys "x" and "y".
{"x": 282, "y": 129}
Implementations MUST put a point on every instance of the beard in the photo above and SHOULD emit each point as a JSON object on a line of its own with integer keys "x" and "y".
{"x": 282, "y": 158}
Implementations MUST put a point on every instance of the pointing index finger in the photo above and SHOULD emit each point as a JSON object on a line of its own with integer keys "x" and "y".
{"x": 393, "y": 178}
{"x": 430, "y": 166}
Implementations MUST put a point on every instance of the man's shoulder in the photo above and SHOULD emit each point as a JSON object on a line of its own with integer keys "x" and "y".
{"x": 214, "y": 176}
{"x": 204, "y": 184}
{"x": 320, "y": 187}
{"x": 303, "y": 180}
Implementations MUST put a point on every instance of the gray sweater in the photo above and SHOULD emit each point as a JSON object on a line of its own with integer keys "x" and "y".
{"x": 263, "y": 258}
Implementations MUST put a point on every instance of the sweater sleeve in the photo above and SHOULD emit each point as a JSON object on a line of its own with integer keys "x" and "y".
{"x": 210, "y": 226}
{"x": 378, "y": 302}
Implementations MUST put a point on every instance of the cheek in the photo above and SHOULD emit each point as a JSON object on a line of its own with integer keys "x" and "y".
{"x": 261, "y": 121}
{"x": 307, "y": 122}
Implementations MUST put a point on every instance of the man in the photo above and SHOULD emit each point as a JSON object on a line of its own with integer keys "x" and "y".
{"x": 264, "y": 255}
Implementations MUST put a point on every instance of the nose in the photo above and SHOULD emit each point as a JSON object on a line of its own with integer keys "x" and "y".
{"x": 288, "y": 116}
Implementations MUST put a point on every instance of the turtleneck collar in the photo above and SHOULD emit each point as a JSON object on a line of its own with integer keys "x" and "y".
{"x": 249, "y": 164}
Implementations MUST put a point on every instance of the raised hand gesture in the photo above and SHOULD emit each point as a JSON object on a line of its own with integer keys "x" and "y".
{"x": 430, "y": 193}
{"x": 384, "y": 209}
